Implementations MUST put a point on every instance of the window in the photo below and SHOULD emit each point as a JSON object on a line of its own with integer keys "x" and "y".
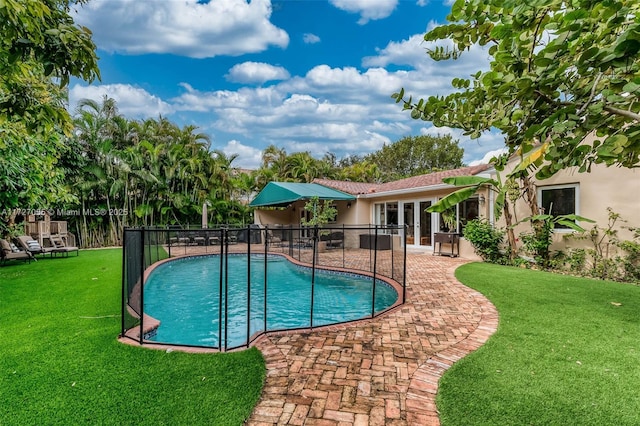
{"x": 464, "y": 211}
{"x": 386, "y": 214}
{"x": 559, "y": 200}
{"x": 468, "y": 210}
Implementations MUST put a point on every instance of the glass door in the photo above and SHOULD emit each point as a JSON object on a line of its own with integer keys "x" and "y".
{"x": 409, "y": 221}
{"x": 425, "y": 224}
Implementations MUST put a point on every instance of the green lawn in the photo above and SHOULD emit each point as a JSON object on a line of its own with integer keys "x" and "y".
{"x": 60, "y": 362}
{"x": 567, "y": 352}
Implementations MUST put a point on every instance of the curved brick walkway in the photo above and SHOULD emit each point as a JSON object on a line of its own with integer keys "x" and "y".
{"x": 383, "y": 371}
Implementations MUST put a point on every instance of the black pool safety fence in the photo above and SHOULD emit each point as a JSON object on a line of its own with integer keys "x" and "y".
{"x": 223, "y": 287}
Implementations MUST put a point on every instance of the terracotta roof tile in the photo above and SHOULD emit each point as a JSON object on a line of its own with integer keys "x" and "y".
{"x": 353, "y": 188}
{"x": 431, "y": 179}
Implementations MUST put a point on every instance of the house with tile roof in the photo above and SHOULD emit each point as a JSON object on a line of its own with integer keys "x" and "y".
{"x": 403, "y": 202}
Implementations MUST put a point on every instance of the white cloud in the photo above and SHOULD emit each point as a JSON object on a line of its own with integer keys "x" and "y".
{"x": 133, "y": 102}
{"x": 412, "y": 52}
{"x": 343, "y": 110}
{"x": 488, "y": 156}
{"x": 309, "y": 38}
{"x": 256, "y": 72}
{"x": 248, "y": 156}
{"x": 368, "y": 9}
{"x": 406, "y": 52}
{"x": 185, "y": 28}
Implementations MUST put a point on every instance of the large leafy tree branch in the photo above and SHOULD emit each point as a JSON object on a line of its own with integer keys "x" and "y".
{"x": 40, "y": 49}
{"x": 40, "y": 43}
{"x": 560, "y": 71}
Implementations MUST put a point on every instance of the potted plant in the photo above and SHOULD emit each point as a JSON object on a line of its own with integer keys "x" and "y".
{"x": 449, "y": 218}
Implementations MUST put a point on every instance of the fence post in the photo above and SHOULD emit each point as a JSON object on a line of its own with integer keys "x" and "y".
{"x": 248, "y": 284}
{"x": 393, "y": 251}
{"x": 169, "y": 239}
{"x": 220, "y": 293}
{"x": 313, "y": 269}
{"x": 125, "y": 290}
{"x": 375, "y": 259}
{"x": 404, "y": 272}
{"x": 226, "y": 287}
{"x": 142, "y": 286}
{"x": 266, "y": 243}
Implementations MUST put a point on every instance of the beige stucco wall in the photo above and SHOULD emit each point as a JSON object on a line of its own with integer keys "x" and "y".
{"x": 602, "y": 187}
{"x": 348, "y": 213}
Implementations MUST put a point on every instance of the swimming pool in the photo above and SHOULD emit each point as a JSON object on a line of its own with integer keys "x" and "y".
{"x": 184, "y": 295}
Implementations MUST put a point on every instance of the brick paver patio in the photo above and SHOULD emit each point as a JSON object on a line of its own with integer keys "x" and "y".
{"x": 383, "y": 371}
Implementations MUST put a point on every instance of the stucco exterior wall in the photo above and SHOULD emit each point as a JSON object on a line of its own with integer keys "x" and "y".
{"x": 603, "y": 187}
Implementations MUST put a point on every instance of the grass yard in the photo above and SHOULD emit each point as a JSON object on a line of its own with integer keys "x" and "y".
{"x": 60, "y": 362}
{"x": 567, "y": 352}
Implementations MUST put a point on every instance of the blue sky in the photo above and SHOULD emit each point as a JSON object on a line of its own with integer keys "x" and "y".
{"x": 304, "y": 75}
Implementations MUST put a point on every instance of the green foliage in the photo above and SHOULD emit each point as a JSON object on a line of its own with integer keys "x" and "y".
{"x": 538, "y": 241}
{"x": 631, "y": 262}
{"x": 149, "y": 173}
{"x": 486, "y": 240}
{"x": 409, "y": 156}
{"x": 321, "y": 213}
{"x": 38, "y": 42}
{"x": 450, "y": 218}
{"x": 279, "y": 166}
{"x": 417, "y": 155}
{"x": 559, "y": 71}
{"x": 471, "y": 185}
{"x": 608, "y": 257}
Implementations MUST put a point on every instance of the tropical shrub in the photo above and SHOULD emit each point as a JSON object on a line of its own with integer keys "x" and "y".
{"x": 609, "y": 257}
{"x": 486, "y": 240}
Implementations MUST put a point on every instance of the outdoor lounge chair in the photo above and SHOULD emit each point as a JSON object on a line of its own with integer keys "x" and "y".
{"x": 214, "y": 238}
{"x": 59, "y": 246}
{"x": 8, "y": 253}
{"x": 32, "y": 246}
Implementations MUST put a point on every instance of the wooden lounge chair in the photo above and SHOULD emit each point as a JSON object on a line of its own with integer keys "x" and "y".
{"x": 59, "y": 246}
{"x": 32, "y": 246}
{"x": 7, "y": 253}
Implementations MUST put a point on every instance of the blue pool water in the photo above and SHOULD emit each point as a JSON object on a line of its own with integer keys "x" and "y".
{"x": 184, "y": 295}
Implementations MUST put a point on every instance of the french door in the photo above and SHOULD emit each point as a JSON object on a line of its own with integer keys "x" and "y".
{"x": 419, "y": 223}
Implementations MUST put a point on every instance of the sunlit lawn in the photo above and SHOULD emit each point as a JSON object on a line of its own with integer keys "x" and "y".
{"x": 567, "y": 352}
{"x": 60, "y": 362}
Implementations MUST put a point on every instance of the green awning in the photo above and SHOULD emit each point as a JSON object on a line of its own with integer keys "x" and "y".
{"x": 281, "y": 194}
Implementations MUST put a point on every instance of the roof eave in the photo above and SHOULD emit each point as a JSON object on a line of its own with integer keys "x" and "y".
{"x": 407, "y": 190}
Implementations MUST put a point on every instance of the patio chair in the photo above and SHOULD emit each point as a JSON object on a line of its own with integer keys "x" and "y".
{"x": 59, "y": 246}
{"x": 232, "y": 237}
{"x": 32, "y": 246}
{"x": 7, "y": 253}
{"x": 273, "y": 240}
{"x": 198, "y": 238}
{"x": 335, "y": 240}
{"x": 183, "y": 238}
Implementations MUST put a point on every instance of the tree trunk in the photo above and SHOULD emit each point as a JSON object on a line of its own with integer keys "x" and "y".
{"x": 508, "y": 219}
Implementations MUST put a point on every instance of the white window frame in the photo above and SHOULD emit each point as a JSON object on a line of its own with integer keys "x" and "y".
{"x": 576, "y": 187}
